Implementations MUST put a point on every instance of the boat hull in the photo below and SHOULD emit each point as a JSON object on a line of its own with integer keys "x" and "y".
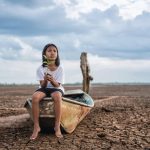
{"x": 73, "y": 111}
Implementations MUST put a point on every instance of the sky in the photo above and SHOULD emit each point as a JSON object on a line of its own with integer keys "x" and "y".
{"x": 114, "y": 33}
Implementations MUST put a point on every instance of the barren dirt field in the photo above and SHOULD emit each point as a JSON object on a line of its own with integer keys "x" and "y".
{"x": 120, "y": 120}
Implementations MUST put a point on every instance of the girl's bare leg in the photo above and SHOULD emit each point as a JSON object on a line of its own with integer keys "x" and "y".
{"x": 36, "y": 98}
{"x": 57, "y": 97}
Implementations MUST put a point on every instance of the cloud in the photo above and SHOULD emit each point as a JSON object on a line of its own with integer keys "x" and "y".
{"x": 31, "y": 3}
{"x": 31, "y": 21}
{"x": 128, "y": 9}
{"x": 101, "y": 32}
{"x": 13, "y": 48}
{"x": 103, "y": 70}
{"x": 18, "y": 71}
{"x": 118, "y": 70}
{"x": 113, "y": 32}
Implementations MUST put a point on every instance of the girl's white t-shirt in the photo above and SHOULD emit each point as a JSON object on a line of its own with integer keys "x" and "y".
{"x": 58, "y": 75}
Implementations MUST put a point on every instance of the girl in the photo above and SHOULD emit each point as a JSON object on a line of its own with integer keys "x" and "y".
{"x": 51, "y": 80}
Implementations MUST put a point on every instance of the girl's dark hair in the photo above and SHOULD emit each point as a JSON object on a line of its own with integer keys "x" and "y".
{"x": 57, "y": 61}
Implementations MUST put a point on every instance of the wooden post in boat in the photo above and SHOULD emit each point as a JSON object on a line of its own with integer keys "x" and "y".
{"x": 85, "y": 72}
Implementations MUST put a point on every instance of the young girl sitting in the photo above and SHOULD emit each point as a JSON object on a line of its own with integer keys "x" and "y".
{"x": 50, "y": 76}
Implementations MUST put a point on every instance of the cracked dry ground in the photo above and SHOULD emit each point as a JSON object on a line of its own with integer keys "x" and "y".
{"x": 115, "y": 123}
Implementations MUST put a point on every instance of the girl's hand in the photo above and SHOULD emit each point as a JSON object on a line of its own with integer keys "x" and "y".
{"x": 50, "y": 78}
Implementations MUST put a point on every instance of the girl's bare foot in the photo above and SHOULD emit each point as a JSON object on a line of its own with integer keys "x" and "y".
{"x": 35, "y": 133}
{"x": 58, "y": 133}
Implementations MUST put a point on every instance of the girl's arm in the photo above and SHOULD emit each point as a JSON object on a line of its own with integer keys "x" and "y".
{"x": 43, "y": 83}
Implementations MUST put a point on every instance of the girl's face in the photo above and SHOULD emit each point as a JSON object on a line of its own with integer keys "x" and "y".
{"x": 51, "y": 53}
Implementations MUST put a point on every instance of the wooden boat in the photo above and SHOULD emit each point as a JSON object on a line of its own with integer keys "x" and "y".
{"x": 75, "y": 106}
